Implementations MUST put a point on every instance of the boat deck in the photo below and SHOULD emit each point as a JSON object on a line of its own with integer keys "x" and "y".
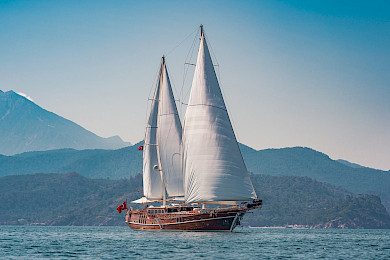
{"x": 186, "y": 218}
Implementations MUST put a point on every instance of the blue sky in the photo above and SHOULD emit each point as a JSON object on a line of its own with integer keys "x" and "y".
{"x": 294, "y": 73}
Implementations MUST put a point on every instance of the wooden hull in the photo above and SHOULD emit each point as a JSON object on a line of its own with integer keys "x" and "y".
{"x": 210, "y": 221}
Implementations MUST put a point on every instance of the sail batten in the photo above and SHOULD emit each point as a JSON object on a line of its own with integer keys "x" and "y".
{"x": 212, "y": 163}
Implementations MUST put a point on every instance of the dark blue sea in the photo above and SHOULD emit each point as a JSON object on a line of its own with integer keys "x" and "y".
{"x": 30, "y": 242}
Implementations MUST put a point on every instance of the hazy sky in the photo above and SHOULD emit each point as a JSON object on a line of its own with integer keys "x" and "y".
{"x": 294, "y": 73}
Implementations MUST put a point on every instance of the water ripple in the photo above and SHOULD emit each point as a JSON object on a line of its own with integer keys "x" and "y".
{"x": 21, "y": 242}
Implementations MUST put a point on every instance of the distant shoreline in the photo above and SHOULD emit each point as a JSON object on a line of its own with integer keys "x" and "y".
{"x": 287, "y": 227}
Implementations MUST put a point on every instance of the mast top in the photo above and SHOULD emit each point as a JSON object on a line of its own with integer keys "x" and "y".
{"x": 163, "y": 59}
{"x": 201, "y": 30}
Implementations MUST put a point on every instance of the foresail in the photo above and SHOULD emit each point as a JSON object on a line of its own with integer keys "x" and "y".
{"x": 152, "y": 185}
{"x": 214, "y": 169}
{"x": 169, "y": 138}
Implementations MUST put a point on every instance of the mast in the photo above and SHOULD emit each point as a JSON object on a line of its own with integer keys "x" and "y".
{"x": 163, "y": 188}
{"x": 214, "y": 170}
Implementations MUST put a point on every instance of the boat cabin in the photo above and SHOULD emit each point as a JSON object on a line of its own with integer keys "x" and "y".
{"x": 170, "y": 209}
{"x": 154, "y": 211}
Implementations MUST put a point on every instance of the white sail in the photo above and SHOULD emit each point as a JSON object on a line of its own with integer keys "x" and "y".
{"x": 152, "y": 183}
{"x": 169, "y": 138}
{"x": 214, "y": 169}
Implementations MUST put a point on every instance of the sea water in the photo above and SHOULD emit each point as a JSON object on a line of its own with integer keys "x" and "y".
{"x": 29, "y": 242}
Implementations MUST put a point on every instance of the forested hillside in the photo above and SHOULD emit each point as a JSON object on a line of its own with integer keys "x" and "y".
{"x": 71, "y": 199}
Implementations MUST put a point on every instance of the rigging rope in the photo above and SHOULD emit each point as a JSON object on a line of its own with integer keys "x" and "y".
{"x": 181, "y": 42}
{"x": 186, "y": 68}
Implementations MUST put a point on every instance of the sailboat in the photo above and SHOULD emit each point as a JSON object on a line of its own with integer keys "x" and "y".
{"x": 196, "y": 173}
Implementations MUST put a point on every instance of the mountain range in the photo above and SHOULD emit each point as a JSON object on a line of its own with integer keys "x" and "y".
{"x": 127, "y": 162}
{"x": 302, "y": 161}
{"x": 25, "y": 126}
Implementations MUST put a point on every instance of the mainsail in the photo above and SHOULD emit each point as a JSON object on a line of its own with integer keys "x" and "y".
{"x": 214, "y": 169}
{"x": 169, "y": 138}
{"x": 162, "y": 144}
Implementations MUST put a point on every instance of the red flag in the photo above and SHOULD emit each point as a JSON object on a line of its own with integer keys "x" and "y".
{"x": 121, "y": 207}
{"x": 140, "y": 148}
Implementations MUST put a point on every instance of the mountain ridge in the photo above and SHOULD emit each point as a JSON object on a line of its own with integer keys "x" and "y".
{"x": 25, "y": 126}
{"x": 350, "y": 164}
